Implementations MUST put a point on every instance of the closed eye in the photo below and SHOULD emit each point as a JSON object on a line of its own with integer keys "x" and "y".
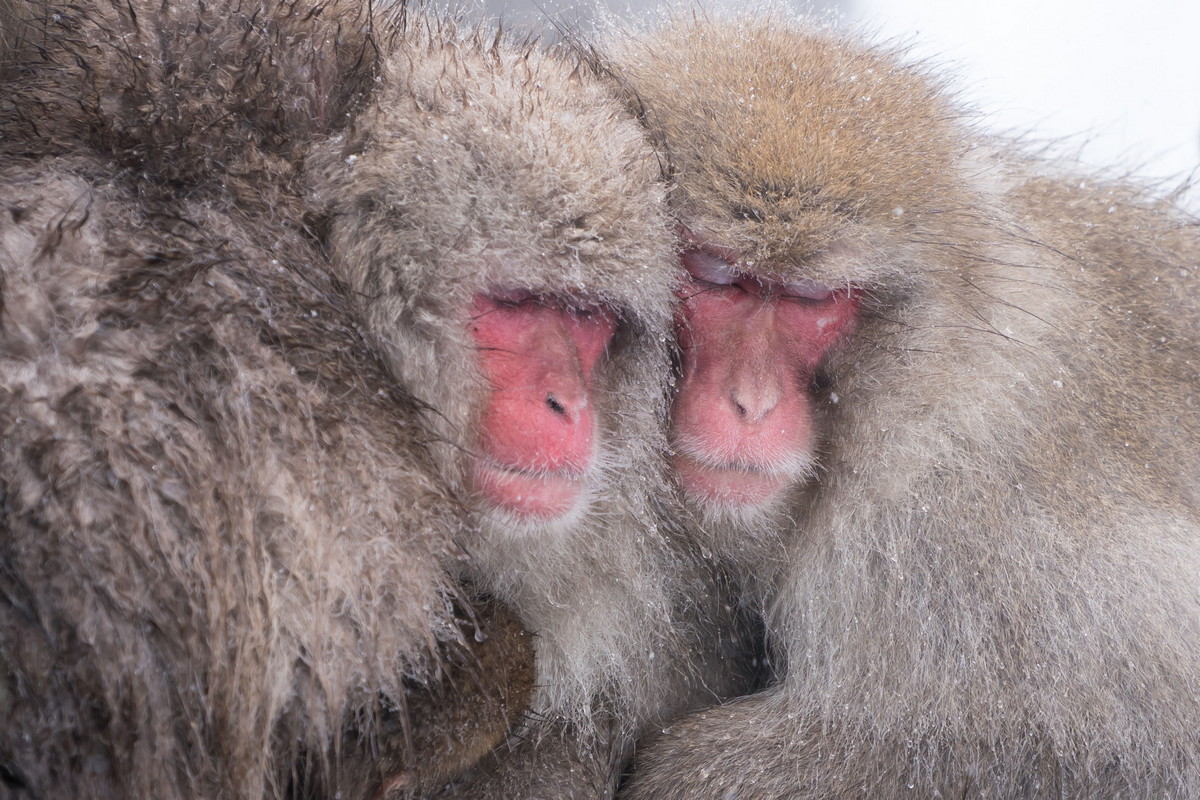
{"x": 708, "y": 268}
{"x": 806, "y": 289}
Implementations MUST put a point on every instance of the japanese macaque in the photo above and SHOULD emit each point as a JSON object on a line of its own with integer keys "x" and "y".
{"x": 499, "y": 218}
{"x": 939, "y": 408}
{"x": 228, "y": 563}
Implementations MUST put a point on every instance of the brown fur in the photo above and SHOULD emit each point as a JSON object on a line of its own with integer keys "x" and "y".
{"x": 990, "y": 589}
{"x": 226, "y": 555}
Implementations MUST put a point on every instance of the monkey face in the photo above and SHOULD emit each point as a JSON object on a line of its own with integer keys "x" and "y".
{"x": 538, "y": 427}
{"x": 742, "y": 419}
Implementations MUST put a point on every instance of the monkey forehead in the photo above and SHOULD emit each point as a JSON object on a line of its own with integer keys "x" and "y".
{"x": 622, "y": 288}
{"x": 769, "y": 121}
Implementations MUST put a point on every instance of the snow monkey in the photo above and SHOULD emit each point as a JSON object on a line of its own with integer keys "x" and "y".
{"x": 307, "y": 316}
{"x": 499, "y": 219}
{"x": 938, "y": 408}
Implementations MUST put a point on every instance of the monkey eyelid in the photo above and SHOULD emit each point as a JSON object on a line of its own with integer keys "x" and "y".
{"x": 806, "y": 289}
{"x": 710, "y": 268}
{"x": 511, "y": 297}
{"x": 582, "y": 309}
{"x": 730, "y": 255}
{"x": 707, "y": 267}
{"x": 587, "y": 310}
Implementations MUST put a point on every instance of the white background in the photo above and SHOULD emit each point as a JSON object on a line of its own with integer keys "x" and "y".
{"x": 1120, "y": 79}
{"x": 1115, "y": 81}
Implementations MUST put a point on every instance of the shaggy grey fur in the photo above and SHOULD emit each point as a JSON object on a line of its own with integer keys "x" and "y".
{"x": 238, "y": 396}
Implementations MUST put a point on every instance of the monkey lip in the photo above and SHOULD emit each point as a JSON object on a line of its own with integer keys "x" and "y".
{"x": 528, "y": 493}
{"x": 735, "y": 484}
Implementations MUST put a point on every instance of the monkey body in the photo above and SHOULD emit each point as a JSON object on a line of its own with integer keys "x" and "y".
{"x": 228, "y": 561}
{"x": 987, "y": 587}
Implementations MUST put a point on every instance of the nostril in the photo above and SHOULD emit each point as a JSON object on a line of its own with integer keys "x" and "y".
{"x": 753, "y": 407}
{"x": 555, "y": 405}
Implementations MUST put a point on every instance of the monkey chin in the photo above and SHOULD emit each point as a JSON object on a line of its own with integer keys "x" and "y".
{"x": 750, "y": 499}
{"x": 528, "y": 496}
{"x": 730, "y": 486}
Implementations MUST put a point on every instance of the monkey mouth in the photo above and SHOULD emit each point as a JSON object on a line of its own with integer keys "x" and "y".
{"x": 541, "y": 495}
{"x": 729, "y": 484}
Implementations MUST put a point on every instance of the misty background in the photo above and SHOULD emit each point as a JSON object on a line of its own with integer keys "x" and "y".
{"x": 1115, "y": 82}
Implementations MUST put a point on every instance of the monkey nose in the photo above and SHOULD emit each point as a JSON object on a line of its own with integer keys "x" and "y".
{"x": 754, "y": 402}
{"x": 566, "y": 402}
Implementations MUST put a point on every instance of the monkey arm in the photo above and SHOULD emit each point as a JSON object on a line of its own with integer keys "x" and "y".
{"x": 754, "y": 747}
{"x": 714, "y": 753}
{"x": 549, "y": 759}
{"x": 546, "y": 760}
{"x": 449, "y": 724}
{"x": 459, "y": 717}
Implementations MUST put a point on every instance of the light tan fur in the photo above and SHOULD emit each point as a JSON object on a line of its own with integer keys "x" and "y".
{"x": 989, "y": 589}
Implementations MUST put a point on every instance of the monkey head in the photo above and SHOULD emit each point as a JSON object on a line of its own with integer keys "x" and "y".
{"x": 501, "y": 221}
{"x": 801, "y": 192}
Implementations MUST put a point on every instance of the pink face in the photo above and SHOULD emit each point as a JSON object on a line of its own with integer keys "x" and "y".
{"x": 742, "y": 418}
{"x": 538, "y": 424}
